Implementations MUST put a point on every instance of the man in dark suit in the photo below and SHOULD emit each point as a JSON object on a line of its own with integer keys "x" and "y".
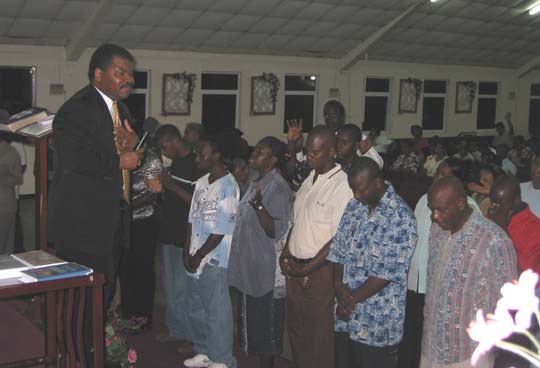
{"x": 89, "y": 210}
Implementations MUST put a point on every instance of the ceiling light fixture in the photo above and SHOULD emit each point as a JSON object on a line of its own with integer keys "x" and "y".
{"x": 433, "y": 1}
{"x": 535, "y": 9}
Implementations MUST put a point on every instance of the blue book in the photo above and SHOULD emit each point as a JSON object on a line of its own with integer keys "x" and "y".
{"x": 54, "y": 272}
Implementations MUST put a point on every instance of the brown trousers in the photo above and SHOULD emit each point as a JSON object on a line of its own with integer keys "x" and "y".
{"x": 310, "y": 318}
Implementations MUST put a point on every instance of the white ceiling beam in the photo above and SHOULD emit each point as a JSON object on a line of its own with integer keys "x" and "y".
{"x": 526, "y": 68}
{"x": 355, "y": 54}
{"x": 78, "y": 42}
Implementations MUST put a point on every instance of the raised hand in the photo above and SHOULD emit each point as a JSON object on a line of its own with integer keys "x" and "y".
{"x": 294, "y": 129}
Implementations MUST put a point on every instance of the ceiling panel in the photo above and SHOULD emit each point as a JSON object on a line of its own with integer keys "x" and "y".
{"x": 163, "y": 34}
{"x": 105, "y": 31}
{"x": 194, "y": 36}
{"x": 195, "y": 4}
{"x": 314, "y": 11}
{"x": 249, "y": 40}
{"x": 40, "y": 9}
{"x": 287, "y": 9}
{"x": 120, "y": 13}
{"x": 222, "y": 38}
{"x": 240, "y": 22}
{"x": 5, "y": 23}
{"x": 26, "y": 27}
{"x": 259, "y": 7}
{"x": 211, "y": 20}
{"x": 468, "y": 32}
{"x": 61, "y": 29}
{"x": 146, "y": 15}
{"x": 340, "y": 13}
{"x": 181, "y": 18}
{"x": 76, "y": 10}
{"x": 295, "y": 27}
{"x": 11, "y": 8}
{"x": 227, "y": 6}
{"x": 131, "y": 32}
{"x": 269, "y": 25}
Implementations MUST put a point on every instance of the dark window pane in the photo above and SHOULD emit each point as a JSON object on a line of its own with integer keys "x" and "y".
{"x": 299, "y": 107}
{"x": 431, "y": 86}
{"x": 534, "y": 115}
{"x": 433, "y": 113}
{"x": 375, "y": 113}
{"x": 141, "y": 79}
{"x": 300, "y": 83}
{"x": 535, "y": 89}
{"x": 487, "y": 108}
{"x": 377, "y": 85}
{"x": 219, "y": 113}
{"x": 136, "y": 103}
{"x": 487, "y": 88}
{"x": 16, "y": 89}
{"x": 219, "y": 81}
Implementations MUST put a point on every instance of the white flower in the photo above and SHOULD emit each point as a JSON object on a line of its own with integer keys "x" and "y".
{"x": 488, "y": 332}
{"x": 520, "y": 296}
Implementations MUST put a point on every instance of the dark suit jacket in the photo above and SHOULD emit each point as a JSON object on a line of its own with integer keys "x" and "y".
{"x": 84, "y": 204}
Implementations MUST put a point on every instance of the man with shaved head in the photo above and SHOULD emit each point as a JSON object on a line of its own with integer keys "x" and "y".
{"x": 470, "y": 258}
{"x": 371, "y": 252}
{"x": 513, "y": 215}
{"x": 318, "y": 208}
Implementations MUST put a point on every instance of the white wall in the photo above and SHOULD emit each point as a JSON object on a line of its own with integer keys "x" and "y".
{"x": 52, "y": 68}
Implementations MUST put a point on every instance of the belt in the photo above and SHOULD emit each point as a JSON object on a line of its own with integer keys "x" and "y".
{"x": 301, "y": 261}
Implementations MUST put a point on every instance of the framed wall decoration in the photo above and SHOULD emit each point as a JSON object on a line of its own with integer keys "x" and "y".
{"x": 465, "y": 92}
{"x": 409, "y": 93}
{"x": 264, "y": 90}
{"x": 177, "y": 93}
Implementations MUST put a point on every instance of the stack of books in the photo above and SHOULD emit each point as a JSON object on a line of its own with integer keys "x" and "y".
{"x": 39, "y": 266}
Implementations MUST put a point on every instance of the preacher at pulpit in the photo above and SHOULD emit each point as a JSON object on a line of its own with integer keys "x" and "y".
{"x": 89, "y": 211}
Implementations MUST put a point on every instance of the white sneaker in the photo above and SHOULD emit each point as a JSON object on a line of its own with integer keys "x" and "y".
{"x": 217, "y": 365}
{"x": 199, "y": 360}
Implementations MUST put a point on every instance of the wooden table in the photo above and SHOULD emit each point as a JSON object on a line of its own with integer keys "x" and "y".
{"x": 64, "y": 316}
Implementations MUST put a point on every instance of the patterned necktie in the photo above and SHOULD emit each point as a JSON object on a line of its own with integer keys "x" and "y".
{"x": 125, "y": 172}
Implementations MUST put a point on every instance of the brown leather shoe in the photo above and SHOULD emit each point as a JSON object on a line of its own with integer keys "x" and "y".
{"x": 185, "y": 348}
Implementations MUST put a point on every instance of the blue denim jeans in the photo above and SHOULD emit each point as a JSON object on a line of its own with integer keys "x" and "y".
{"x": 175, "y": 283}
{"x": 210, "y": 315}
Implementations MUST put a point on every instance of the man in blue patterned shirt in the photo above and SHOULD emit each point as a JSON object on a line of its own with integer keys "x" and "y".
{"x": 371, "y": 251}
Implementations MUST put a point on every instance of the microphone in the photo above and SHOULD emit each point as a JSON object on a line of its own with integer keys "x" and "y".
{"x": 150, "y": 125}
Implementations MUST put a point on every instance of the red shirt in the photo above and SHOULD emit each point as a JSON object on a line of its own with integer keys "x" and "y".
{"x": 524, "y": 229}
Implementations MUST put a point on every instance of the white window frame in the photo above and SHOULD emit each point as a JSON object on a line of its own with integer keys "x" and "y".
{"x": 444, "y": 95}
{"x": 388, "y": 95}
{"x": 224, "y": 92}
{"x": 145, "y": 91}
{"x": 303, "y": 93}
{"x": 495, "y": 97}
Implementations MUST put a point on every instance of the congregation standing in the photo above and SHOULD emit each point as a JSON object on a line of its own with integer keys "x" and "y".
{"x": 313, "y": 236}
